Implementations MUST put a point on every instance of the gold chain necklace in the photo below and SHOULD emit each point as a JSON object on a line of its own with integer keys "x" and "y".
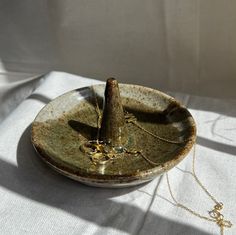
{"x": 215, "y": 214}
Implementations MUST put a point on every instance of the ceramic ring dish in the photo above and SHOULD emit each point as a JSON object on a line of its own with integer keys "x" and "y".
{"x": 70, "y": 120}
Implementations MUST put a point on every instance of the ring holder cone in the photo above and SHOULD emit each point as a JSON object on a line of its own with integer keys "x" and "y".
{"x": 113, "y": 128}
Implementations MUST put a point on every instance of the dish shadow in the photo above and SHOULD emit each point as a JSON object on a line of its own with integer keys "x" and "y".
{"x": 34, "y": 180}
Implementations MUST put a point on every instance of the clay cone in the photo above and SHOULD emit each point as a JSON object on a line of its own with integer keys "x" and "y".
{"x": 113, "y": 130}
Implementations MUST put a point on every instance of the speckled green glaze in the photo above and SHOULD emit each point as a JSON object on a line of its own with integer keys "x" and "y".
{"x": 68, "y": 121}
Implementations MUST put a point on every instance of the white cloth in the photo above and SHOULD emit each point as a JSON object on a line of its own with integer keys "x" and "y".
{"x": 37, "y": 200}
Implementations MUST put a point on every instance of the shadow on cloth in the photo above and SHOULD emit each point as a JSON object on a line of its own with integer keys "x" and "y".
{"x": 219, "y": 106}
{"x": 12, "y": 94}
{"x": 35, "y": 181}
{"x": 39, "y": 97}
{"x": 225, "y": 148}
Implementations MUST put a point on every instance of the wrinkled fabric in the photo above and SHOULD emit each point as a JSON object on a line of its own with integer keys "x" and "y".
{"x": 37, "y": 200}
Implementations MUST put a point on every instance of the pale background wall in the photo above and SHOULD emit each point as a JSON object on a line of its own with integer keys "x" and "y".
{"x": 181, "y": 45}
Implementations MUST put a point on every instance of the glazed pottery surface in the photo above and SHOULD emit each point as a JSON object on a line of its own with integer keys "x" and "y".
{"x": 70, "y": 120}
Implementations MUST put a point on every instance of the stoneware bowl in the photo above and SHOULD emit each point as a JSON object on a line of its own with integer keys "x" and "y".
{"x": 70, "y": 120}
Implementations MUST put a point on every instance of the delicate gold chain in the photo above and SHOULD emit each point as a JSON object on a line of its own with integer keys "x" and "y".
{"x": 130, "y": 118}
{"x": 142, "y": 155}
{"x": 214, "y": 215}
{"x": 197, "y": 179}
